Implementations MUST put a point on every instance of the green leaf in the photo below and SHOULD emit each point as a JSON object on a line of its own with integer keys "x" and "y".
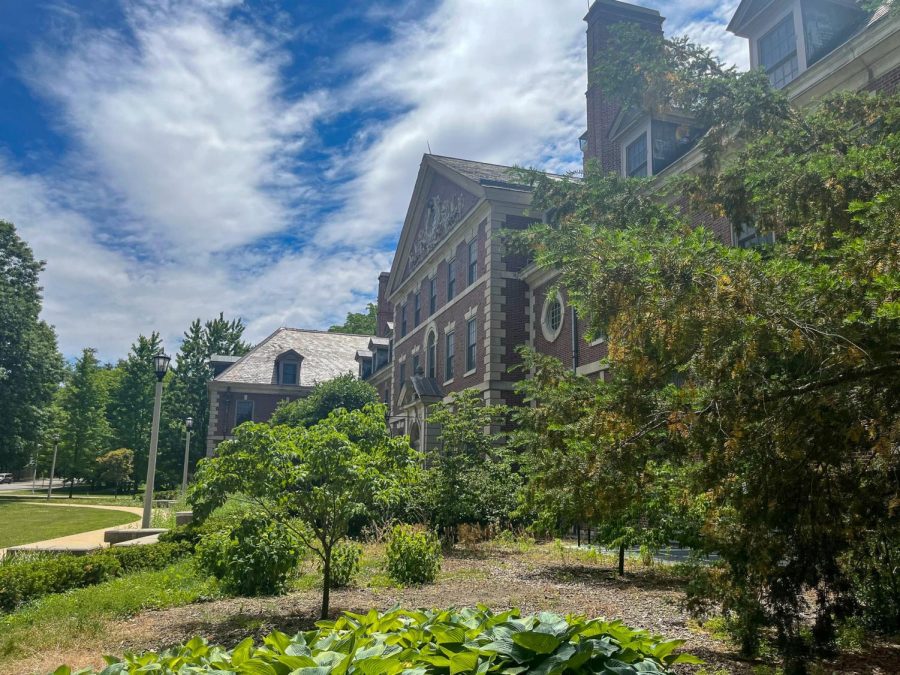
{"x": 540, "y": 643}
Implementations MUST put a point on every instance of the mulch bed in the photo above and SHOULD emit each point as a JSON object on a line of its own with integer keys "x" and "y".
{"x": 534, "y": 581}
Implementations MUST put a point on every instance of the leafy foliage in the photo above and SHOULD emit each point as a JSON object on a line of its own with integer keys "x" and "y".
{"x": 23, "y": 580}
{"x": 769, "y": 379}
{"x": 83, "y": 401}
{"x": 345, "y": 563}
{"x": 344, "y": 391}
{"x": 255, "y": 557}
{"x": 470, "y": 479}
{"x": 115, "y": 466}
{"x": 426, "y": 642}
{"x": 346, "y": 465}
{"x": 359, "y": 323}
{"x": 130, "y": 409}
{"x": 30, "y": 364}
{"x": 413, "y": 555}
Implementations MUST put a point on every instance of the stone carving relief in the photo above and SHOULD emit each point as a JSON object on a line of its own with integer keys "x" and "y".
{"x": 441, "y": 215}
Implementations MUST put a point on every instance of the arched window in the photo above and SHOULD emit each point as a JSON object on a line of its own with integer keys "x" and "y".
{"x": 431, "y": 355}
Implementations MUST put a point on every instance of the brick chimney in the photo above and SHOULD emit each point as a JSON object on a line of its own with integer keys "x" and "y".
{"x": 385, "y": 310}
{"x": 602, "y": 110}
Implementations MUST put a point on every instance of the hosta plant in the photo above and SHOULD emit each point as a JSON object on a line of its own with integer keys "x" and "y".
{"x": 424, "y": 642}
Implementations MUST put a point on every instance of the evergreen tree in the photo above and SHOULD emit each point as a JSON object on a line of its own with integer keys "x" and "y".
{"x": 86, "y": 432}
{"x": 131, "y": 401}
{"x": 186, "y": 394}
{"x": 30, "y": 364}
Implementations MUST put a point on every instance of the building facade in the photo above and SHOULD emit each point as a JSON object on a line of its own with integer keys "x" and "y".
{"x": 283, "y": 367}
{"x": 457, "y": 304}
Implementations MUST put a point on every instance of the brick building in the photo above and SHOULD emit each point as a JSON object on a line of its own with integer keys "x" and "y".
{"x": 456, "y": 304}
{"x": 283, "y": 367}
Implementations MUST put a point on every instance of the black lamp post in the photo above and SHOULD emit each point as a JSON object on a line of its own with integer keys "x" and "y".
{"x": 160, "y": 366}
{"x": 188, "y": 425}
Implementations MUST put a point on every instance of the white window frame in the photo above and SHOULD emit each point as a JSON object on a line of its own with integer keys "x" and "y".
{"x": 643, "y": 128}
{"x": 551, "y": 335}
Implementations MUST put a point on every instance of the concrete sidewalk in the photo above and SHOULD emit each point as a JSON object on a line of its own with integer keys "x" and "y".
{"x": 82, "y": 540}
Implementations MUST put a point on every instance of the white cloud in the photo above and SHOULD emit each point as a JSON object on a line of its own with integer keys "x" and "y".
{"x": 184, "y": 195}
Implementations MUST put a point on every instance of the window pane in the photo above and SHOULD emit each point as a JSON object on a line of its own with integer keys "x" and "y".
{"x": 451, "y": 279}
{"x": 289, "y": 373}
{"x": 243, "y": 412}
{"x": 431, "y": 356}
{"x": 671, "y": 141}
{"x": 826, "y": 26}
{"x": 778, "y": 52}
{"x": 470, "y": 345}
{"x": 450, "y": 350}
{"x": 749, "y": 237}
{"x": 416, "y": 364}
{"x": 432, "y": 299}
{"x": 417, "y": 313}
{"x": 402, "y": 320}
{"x": 636, "y": 157}
{"x": 473, "y": 261}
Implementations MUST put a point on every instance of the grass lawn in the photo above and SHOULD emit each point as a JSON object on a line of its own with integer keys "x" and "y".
{"x": 44, "y": 634}
{"x": 22, "y": 523}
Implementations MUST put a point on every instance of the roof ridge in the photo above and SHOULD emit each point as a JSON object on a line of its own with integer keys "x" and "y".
{"x": 324, "y": 332}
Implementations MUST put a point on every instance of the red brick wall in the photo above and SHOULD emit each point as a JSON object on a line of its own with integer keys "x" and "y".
{"x": 263, "y": 407}
{"x": 464, "y": 299}
{"x": 887, "y": 83}
{"x": 601, "y": 110}
{"x": 561, "y": 347}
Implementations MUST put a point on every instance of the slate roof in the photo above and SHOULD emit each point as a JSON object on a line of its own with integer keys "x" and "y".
{"x": 325, "y": 356}
{"x": 484, "y": 173}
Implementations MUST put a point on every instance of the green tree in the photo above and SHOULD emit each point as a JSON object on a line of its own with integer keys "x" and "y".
{"x": 770, "y": 376}
{"x": 359, "y": 323}
{"x": 344, "y": 391}
{"x": 84, "y": 399}
{"x": 30, "y": 365}
{"x": 470, "y": 479}
{"x": 186, "y": 394}
{"x": 131, "y": 401}
{"x": 345, "y": 466}
{"x": 115, "y": 466}
{"x": 570, "y": 447}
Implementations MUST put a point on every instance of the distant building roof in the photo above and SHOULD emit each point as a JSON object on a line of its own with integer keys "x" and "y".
{"x": 325, "y": 356}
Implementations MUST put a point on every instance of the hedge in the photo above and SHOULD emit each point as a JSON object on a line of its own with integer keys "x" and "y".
{"x": 23, "y": 580}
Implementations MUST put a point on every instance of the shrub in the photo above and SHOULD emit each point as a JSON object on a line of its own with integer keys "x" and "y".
{"x": 344, "y": 563}
{"x": 151, "y": 557}
{"x": 256, "y": 557}
{"x": 413, "y": 555}
{"x": 27, "y": 579}
{"x": 454, "y": 641}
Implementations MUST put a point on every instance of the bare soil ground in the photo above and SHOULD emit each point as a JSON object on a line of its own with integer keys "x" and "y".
{"x": 532, "y": 581}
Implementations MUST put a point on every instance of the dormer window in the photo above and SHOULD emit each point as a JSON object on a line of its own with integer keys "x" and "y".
{"x": 778, "y": 52}
{"x": 287, "y": 368}
{"x": 636, "y": 157}
{"x": 649, "y": 146}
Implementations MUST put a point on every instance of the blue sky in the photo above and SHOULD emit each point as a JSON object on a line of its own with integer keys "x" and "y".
{"x": 171, "y": 159}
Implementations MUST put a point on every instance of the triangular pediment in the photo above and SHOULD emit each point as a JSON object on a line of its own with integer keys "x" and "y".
{"x": 440, "y": 202}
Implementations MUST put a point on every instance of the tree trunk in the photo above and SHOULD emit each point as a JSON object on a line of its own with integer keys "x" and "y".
{"x": 621, "y": 560}
{"x": 326, "y": 582}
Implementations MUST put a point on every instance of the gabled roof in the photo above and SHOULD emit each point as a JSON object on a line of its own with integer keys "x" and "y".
{"x": 325, "y": 356}
{"x": 745, "y": 13}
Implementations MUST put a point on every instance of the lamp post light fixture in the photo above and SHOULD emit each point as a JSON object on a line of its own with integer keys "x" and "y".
{"x": 188, "y": 425}
{"x": 160, "y": 366}
{"x": 53, "y": 465}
